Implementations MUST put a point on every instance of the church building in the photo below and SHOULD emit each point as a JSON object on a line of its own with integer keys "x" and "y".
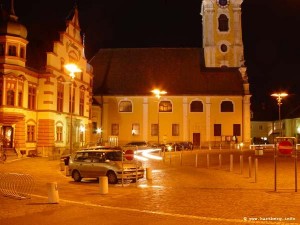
{"x": 162, "y": 95}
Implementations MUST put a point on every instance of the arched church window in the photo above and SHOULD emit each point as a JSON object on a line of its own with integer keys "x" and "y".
{"x": 223, "y": 23}
{"x": 196, "y": 106}
{"x": 226, "y": 106}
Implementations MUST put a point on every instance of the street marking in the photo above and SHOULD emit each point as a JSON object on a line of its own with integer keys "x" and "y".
{"x": 172, "y": 214}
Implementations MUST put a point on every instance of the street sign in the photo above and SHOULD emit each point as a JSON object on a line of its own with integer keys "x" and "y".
{"x": 129, "y": 154}
{"x": 285, "y": 147}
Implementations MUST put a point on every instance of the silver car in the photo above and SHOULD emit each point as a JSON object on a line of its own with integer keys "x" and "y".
{"x": 99, "y": 161}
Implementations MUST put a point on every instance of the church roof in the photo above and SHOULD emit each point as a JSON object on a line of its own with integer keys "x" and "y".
{"x": 179, "y": 71}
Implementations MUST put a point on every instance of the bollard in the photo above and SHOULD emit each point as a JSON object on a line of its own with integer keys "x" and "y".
{"x": 250, "y": 166}
{"x": 62, "y": 165}
{"x": 181, "y": 158}
{"x": 241, "y": 164}
{"x": 256, "y": 170}
{"x": 196, "y": 160}
{"x": 220, "y": 161}
{"x": 52, "y": 192}
{"x": 103, "y": 184}
{"x": 207, "y": 160}
{"x": 231, "y": 163}
{"x": 67, "y": 171}
{"x": 148, "y": 173}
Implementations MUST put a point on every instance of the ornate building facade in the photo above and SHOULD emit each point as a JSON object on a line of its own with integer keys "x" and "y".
{"x": 39, "y": 114}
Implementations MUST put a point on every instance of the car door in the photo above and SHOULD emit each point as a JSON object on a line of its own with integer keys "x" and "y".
{"x": 99, "y": 167}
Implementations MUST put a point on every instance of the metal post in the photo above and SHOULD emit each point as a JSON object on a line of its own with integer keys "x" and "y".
{"x": 207, "y": 160}
{"x": 241, "y": 164}
{"x": 220, "y": 161}
{"x": 275, "y": 173}
{"x": 231, "y": 163}
{"x": 181, "y": 158}
{"x": 71, "y": 118}
{"x": 196, "y": 160}
{"x": 250, "y": 166}
{"x": 256, "y": 170}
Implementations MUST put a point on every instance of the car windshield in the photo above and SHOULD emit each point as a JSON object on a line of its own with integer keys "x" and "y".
{"x": 114, "y": 156}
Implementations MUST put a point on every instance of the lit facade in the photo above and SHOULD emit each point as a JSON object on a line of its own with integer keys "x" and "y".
{"x": 35, "y": 104}
{"x": 207, "y": 100}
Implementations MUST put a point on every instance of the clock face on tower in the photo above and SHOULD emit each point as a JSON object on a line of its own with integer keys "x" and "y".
{"x": 223, "y": 3}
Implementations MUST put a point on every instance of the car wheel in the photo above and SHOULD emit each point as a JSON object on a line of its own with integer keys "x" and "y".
{"x": 76, "y": 176}
{"x": 112, "y": 177}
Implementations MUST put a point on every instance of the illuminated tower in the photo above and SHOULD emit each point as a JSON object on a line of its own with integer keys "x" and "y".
{"x": 222, "y": 33}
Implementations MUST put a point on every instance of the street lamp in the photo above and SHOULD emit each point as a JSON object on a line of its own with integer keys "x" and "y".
{"x": 158, "y": 94}
{"x": 72, "y": 68}
{"x": 279, "y": 97}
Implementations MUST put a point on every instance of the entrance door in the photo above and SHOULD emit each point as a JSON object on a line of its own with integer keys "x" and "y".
{"x": 8, "y": 134}
{"x": 196, "y": 140}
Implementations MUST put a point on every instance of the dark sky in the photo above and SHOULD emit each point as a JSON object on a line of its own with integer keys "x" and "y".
{"x": 270, "y": 33}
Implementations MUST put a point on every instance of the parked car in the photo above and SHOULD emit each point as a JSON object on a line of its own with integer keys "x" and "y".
{"x": 100, "y": 161}
{"x": 178, "y": 146}
{"x": 137, "y": 143}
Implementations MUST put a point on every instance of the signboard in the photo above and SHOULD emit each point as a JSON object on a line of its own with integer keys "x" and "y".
{"x": 285, "y": 147}
{"x": 129, "y": 154}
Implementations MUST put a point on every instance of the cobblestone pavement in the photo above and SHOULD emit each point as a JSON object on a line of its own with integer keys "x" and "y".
{"x": 181, "y": 192}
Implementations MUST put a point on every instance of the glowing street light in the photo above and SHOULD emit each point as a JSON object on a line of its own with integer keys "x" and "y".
{"x": 279, "y": 97}
{"x": 72, "y": 69}
{"x": 158, "y": 94}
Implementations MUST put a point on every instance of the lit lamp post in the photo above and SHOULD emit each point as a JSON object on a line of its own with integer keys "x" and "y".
{"x": 279, "y": 97}
{"x": 158, "y": 94}
{"x": 72, "y": 68}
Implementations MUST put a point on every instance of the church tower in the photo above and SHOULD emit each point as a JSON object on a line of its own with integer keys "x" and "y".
{"x": 222, "y": 33}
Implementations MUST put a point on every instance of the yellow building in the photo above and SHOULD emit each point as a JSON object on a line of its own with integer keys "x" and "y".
{"x": 207, "y": 100}
{"x": 35, "y": 105}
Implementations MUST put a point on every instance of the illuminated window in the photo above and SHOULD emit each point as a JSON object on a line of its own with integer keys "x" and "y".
{"x": 115, "y": 129}
{"x": 196, "y": 106}
{"x": 135, "y": 129}
{"x": 165, "y": 106}
{"x": 30, "y": 133}
{"x": 10, "y": 98}
{"x": 125, "y": 106}
{"x": 12, "y": 50}
{"x": 226, "y": 106}
{"x": 59, "y": 133}
{"x": 223, "y": 23}
{"x": 60, "y": 97}
{"x": 236, "y": 129}
{"x": 175, "y": 129}
{"x": 154, "y": 129}
{"x": 81, "y": 103}
{"x": 217, "y": 129}
{"x": 31, "y": 97}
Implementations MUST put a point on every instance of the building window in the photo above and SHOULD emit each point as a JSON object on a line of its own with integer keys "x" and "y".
{"x": 165, "y": 106}
{"x": 81, "y": 103}
{"x": 30, "y": 133}
{"x": 217, "y": 129}
{"x": 223, "y": 23}
{"x": 20, "y": 99}
{"x": 12, "y": 50}
{"x": 196, "y": 106}
{"x": 1, "y": 91}
{"x": 175, "y": 129}
{"x": 31, "y": 97}
{"x": 115, "y": 129}
{"x": 154, "y": 129}
{"x": 224, "y": 48}
{"x": 10, "y": 98}
{"x": 236, "y": 129}
{"x": 59, "y": 133}
{"x": 125, "y": 106}
{"x": 60, "y": 97}
{"x": 226, "y": 106}
{"x": 135, "y": 129}
{"x": 2, "y": 49}
{"x": 22, "y": 52}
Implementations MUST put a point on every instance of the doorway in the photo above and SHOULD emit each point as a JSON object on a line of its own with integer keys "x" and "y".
{"x": 196, "y": 140}
{"x": 7, "y": 132}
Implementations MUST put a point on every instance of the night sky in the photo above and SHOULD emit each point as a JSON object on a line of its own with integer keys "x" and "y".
{"x": 270, "y": 34}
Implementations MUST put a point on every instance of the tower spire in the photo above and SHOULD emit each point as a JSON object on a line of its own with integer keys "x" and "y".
{"x": 12, "y": 11}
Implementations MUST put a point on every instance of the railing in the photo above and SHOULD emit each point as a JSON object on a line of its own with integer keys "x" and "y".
{"x": 16, "y": 185}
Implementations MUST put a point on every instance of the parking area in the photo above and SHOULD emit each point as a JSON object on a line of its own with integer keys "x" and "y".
{"x": 181, "y": 192}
